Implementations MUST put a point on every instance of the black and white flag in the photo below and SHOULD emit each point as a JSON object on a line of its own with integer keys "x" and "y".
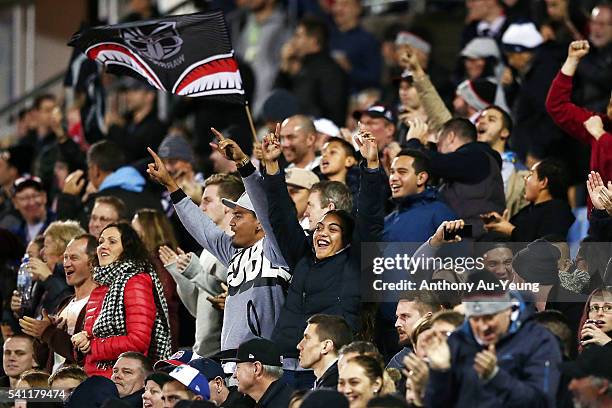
{"x": 189, "y": 55}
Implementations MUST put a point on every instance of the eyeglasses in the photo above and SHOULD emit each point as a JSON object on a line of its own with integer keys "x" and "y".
{"x": 605, "y": 309}
{"x": 31, "y": 197}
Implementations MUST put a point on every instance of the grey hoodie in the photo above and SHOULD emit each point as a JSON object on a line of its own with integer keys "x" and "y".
{"x": 257, "y": 276}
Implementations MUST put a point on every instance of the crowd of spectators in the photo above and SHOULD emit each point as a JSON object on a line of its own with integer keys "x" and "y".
{"x": 153, "y": 261}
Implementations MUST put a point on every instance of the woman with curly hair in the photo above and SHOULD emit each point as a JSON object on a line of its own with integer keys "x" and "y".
{"x": 116, "y": 323}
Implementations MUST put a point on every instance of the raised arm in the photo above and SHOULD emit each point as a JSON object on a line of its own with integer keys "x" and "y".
{"x": 434, "y": 106}
{"x": 198, "y": 224}
{"x": 253, "y": 183}
{"x": 559, "y": 106}
{"x": 370, "y": 208}
{"x": 281, "y": 209}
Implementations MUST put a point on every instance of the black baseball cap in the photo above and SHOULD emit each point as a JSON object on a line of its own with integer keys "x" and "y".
{"x": 593, "y": 361}
{"x": 377, "y": 111}
{"x": 28, "y": 181}
{"x": 262, "y": 350}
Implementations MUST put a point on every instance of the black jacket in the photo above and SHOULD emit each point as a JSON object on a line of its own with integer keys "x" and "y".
{"x": 236, "y": 399}
{"x": 332, "y": 285}
{"x": 538, "y": 220}
{"x": 134, "y": 138}
{"x": 277, "y": 395}
{"x": 321, "y": 87}
{"x": 134, "y": 400}
{"x": 534, "y": 130}
{"x": 473, "y": 184}
{"x": 329, "y": 379}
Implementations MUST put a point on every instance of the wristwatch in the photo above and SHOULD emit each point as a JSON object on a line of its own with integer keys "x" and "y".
{"x": 243, "y": 162}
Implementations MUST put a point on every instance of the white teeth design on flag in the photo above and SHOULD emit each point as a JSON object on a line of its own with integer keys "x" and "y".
{"x": 120, "y": 58}
{"x": 117, "y": 54}
{"x": 219, "y": 83}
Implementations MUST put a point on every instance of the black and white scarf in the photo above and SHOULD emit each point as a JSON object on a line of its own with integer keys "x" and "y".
{"x": 111, "y": 321}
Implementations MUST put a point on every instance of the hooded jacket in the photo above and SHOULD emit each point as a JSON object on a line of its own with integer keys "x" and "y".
{"x": 527, "y": 357}
{"x": 125, "y": 183}
{"x": 416, "y": 217}
{"x": 585, "y": 317}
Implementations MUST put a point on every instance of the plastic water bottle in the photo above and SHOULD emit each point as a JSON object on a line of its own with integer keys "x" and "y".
{"x": 24, "y": 283}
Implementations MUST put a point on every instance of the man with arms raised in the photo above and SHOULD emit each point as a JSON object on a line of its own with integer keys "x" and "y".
{"x": 256, "y": 283}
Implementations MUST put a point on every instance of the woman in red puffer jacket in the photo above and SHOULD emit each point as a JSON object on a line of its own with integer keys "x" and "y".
{"x": 115, "y": 323}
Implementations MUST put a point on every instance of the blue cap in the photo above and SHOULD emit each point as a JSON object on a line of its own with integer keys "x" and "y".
{"x": 192, "y": 379}
{"x": 208, "y": 367}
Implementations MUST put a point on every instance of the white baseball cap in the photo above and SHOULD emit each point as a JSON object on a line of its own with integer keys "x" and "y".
{"x": 244, "y": 201}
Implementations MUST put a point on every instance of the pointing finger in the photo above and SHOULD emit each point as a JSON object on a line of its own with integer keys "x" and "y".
{"x": 218, "y": 134}
{"x": 155, "y": 156}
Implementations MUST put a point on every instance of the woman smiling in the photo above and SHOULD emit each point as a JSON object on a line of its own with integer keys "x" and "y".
{"x": 116, "y": 323}
{"x": 360, "y": 380}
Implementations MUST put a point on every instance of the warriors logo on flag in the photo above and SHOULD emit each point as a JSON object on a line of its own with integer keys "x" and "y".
{"x": 189, "y": 55}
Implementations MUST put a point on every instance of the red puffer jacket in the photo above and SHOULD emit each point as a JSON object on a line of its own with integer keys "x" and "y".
{"x": 139, "y": 319}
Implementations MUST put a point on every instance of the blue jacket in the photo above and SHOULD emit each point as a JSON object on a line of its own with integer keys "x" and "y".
{"x": 527, "y": 356}
{"x": 362, "y": 49}
{"x": 416, "y": 217}
{"x": 126, "y": 178}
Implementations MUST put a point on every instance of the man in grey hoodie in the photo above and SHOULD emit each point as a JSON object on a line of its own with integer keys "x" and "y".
{"x": 201, "y": 281}
{"x": 257, "y": 273}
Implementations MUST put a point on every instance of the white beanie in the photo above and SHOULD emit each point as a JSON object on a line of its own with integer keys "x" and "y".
{"x": 521, "y": 37}
{"x": 481, "y": 47}
{"x": 413, "y": 40}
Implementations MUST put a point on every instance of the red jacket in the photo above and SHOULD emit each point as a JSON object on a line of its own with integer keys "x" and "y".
{"x": 570, "y": 118}
{"x": 139, "y": 306}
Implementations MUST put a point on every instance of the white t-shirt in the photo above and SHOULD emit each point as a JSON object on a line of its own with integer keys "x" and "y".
{"x": 70, "y": 314}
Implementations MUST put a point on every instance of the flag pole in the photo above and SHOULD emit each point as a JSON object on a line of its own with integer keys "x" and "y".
{"x": 248, "y": 112}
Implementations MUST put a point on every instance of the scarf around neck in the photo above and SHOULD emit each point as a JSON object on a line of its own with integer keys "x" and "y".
{"x": 111, "y": 321}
